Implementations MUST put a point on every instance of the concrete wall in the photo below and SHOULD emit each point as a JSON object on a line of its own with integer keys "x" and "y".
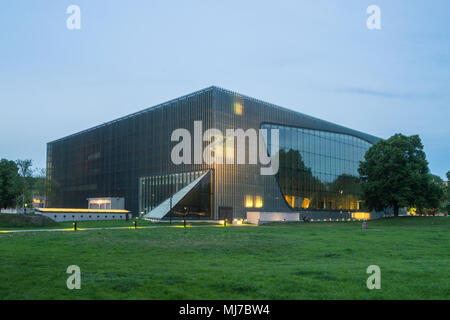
{"x": 60, "y": 217}
{"x": 261, "y": 217}
{"x": 111, "y": 203}
{"x": 265, "y": 217}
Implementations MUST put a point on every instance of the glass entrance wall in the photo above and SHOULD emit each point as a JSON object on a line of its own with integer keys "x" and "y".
{"x": 155, "y": 189}
{"x": 197, "y": 204}
{"x": 319, "y": 169}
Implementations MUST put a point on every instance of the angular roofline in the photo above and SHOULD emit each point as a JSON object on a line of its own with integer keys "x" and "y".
{"x": 134, "y": 114}
{"x": 202, "y": 91}
{"x": 368, "y": 137}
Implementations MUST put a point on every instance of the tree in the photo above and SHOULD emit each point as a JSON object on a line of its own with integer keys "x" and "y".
{"x": 395, "y": 174}
{"x": 435, "y": 195}
{"x": 39, "y": 181}
{"x": 26, "y": 173}
{"x": 446, "y": 206}
{"x": 10, "y": 185}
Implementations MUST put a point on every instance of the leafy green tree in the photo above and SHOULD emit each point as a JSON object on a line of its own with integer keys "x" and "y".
{"x": 10, "y": 184}
{"x": 395, "y": 174}
{"x": 293, "y": 170}
{"x": 26, "y": 173}
{"x": 435, "y": 195}
{"x": 39, "y": 183}
{"x": 346, "y": 190}
{"x": 446, "y": 206}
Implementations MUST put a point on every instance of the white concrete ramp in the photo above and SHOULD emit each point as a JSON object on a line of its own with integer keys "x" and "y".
{"x": 164, "y": 208}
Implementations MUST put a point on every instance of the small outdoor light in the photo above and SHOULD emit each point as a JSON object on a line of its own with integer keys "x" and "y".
{"x": 74, "y": 226}
{"x": 135, "y": 224}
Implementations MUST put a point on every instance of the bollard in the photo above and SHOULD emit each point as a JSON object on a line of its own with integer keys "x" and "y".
{"x": 74, "y": 226}
{"x": 135, "y": 224}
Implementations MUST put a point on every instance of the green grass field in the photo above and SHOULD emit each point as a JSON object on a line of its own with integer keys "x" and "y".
{"x": 278, "y": 261}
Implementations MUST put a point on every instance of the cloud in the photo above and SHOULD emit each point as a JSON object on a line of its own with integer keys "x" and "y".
{"x": 388, "y": 94}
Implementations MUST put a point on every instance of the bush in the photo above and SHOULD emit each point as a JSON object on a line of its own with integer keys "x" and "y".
{"x": 22, "y": 220}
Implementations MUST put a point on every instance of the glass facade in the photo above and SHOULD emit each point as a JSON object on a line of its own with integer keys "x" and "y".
{"x": 319, "y": 169}
{"x": 155, "y": 189}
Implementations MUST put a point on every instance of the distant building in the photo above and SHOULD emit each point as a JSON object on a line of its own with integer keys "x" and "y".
{"x": 106, "y": 203}
{"x": 38, "y": 202}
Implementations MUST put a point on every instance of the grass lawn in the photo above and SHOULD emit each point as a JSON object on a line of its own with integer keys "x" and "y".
{"x": 278, "y": 261}
{"x": 5, "y": 224}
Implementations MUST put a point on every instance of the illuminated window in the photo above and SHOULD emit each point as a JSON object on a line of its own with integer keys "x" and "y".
{"x": 290, "y": 200}
{"x": 258, "y": 202}
{"x": 361, "y": 215}
{"x": 248, "y": 201}
{"x": 238, "y": 108}
{"x": 305, "y": 203}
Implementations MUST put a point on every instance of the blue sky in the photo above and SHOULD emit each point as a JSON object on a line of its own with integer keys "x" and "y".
{"x": 316, "y": 57}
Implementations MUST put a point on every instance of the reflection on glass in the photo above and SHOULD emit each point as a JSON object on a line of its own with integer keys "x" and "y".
{"x": 319, "y": 170}
{"x": 156, "y": 189}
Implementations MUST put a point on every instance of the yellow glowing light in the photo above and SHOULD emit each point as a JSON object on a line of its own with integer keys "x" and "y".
{"x": 248, "y": 201}
{"x": 100, "y": 201}
{"x": 36, "y": 201}
{"x": 305, "y": 203}
{"x": 290, "y": 200}
{"x": 238, "y": 108}
{"x": 258, "y": 202}
{"x": 361, "y": 215}
{"x": 73, "y": 229}
{"x": 413, "y": 211}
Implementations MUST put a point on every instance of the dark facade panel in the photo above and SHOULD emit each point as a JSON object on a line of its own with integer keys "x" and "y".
{"x": 109, "y": 160}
